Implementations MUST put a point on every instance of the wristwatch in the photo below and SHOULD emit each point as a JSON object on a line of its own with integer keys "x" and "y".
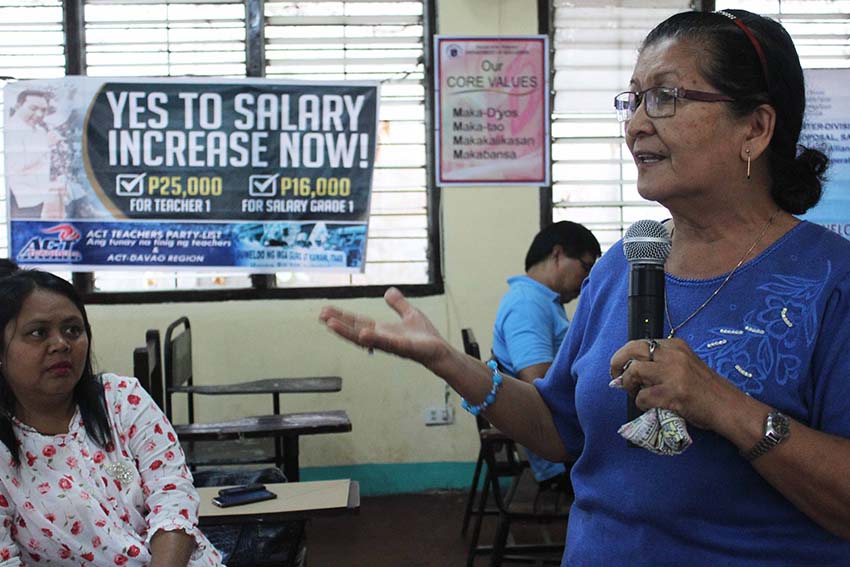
{"x": 777, "y": 428}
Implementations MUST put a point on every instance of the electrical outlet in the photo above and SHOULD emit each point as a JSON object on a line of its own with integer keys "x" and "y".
{"x": 439, "y": 415}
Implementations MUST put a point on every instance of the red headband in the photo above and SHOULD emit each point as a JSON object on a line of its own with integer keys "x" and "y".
{"x": 738, "y": 22}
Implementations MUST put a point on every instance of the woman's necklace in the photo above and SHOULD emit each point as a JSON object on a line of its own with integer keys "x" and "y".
{"x": 674, "y": 328}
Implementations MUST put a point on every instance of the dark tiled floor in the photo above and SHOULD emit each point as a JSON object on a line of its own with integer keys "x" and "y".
{"x": 410, "y": 530}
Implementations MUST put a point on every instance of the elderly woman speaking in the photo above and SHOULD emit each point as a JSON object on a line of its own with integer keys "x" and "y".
{"x": 755, "y": 358}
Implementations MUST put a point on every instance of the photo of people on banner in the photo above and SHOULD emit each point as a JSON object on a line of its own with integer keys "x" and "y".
{"x": 190, "y": 173}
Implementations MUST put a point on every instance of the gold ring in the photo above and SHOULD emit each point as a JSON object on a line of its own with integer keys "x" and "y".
{"x": 653, "y": 344}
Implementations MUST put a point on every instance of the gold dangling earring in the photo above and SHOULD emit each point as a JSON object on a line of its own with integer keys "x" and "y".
{"x": 748, "y": 164}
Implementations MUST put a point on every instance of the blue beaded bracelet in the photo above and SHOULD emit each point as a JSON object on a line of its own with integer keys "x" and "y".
{"x": 491, "y": 396}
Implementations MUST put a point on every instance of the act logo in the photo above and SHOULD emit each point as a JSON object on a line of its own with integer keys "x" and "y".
{"x": 57, "y": 245}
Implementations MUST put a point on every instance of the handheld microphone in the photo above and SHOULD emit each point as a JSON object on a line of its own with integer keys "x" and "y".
{"x": 646, "y": 245}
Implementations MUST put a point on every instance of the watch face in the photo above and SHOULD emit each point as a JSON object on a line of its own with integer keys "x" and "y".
{"x": 778, "y": 424}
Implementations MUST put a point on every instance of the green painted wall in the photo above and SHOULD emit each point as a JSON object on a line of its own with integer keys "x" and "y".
{"x": 398, "y": 478}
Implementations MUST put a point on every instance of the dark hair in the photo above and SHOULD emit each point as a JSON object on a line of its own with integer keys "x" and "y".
{"x": 575, "y": 239}
{"x": 24, "y": 94}
{"x": 7, "y": 267}
{"x": 88, "y": 394}
{"x": 733, "y": 67}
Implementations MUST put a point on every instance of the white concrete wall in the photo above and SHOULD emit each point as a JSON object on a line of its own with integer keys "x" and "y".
{"x": 486, "y": 232}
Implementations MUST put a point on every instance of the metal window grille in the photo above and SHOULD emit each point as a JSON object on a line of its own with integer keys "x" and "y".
{"x": 31, "y": 46}
{"x": 380, "y": 40}
{"x": 820, "y": 28}
{"x": 373, "y": 41}
{"x": 594, "y": 177}
{"x": 595, "y": 50}
{"x": 177, "y": 38}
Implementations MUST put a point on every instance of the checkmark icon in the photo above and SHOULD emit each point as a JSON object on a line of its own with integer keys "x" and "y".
{"x": 129, "y": 184}
{"x": 262, "y": 185}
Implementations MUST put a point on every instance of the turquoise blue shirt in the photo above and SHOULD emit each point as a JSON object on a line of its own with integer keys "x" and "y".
{"x": 530, "y": 325}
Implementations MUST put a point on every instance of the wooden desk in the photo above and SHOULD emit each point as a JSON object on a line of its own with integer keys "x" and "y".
{"x": 275, "y": 386}
{"x": 294, "y": 500}
{"x": 287, "y": 427}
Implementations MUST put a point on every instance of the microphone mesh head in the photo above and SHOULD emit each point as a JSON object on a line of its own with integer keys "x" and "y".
{"x": 647, "y": 242}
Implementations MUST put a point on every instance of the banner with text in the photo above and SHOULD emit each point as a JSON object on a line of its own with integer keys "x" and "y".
{"x": 827, "y": 128}
{"x": 492, "y": 110}
{"x": 189, "y": 173}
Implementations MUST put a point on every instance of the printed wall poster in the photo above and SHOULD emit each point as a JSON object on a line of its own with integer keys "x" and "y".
{"x": 188, "y": 173}
{"x": 827, "y": 127}
{"x": 492, "y": 110}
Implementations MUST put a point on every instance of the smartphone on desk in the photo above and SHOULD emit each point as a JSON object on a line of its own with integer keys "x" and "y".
{"x": 242, "y": 495}
{"x": 241, "y": 488}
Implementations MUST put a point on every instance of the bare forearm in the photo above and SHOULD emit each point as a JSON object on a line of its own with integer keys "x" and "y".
{"x": 532, "y": 373}
{"x": 810, "y": 469}
{"x": 171, "y": 549}
{"x": 519, "y": 411}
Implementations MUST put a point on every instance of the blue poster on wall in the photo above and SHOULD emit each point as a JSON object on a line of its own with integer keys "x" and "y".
{"x": 189, "y": 173}
{"x": 827, "y": 128}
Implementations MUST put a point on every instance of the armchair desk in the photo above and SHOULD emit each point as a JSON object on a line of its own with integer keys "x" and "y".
{"x": 294, "y": 500}
{"x": 287, "y": 427}
{"x": 275, "y": 386}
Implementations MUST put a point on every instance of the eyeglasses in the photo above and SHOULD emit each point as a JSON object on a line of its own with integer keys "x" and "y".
{"x": 660, "y": 101}
{"x": 586, "y": 265}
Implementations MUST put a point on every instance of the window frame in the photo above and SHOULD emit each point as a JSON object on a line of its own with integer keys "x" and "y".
{"x": 546, "y": 9}
{"x": 547, "y": 204}
{"x": 263, "y": 285}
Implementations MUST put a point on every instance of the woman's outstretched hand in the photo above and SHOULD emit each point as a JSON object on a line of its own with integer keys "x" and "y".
{"x": 413, "y": 336}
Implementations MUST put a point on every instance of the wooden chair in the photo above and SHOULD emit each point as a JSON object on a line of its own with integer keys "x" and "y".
{"x": 262, "y": 439}
{"x": 179, "y": 376}
{"x": 526, "y": 501}
{"x": 470, "y": 347}
{"x": 273, "y": 544}
{"x": 509, "y": 465}
{"x": 147, "y": 366}
{"x": 522, "y": 502}
{"x": 255, "y": 544}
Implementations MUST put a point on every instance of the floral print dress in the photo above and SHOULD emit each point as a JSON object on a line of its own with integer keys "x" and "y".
{"x": 71, "y": 502}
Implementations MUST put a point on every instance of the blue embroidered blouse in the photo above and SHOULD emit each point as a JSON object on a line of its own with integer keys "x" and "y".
{"x": 780, "y": 331}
